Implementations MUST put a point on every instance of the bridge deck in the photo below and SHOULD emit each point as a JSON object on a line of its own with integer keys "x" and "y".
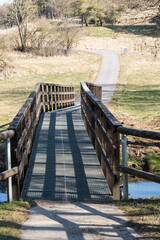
{"x": 63, "y": 164}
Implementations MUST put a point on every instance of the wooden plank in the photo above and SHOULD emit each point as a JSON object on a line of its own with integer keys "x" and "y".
{"x": 22, "y": 164}
{"x": 114, "y": 123}
{"x": 59, "y": 102}
{"x": 23, "y": 137}
{"x": 109, "y": 166}
{"x": 101, "y": 128}
{"x": 58, "y": 93}
{"x": 139, "y": 173}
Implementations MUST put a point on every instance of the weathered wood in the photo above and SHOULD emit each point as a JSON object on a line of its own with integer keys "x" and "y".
{"x": 109, "y": 166}
{"x": 44, "y": 97}
{"x": 95, "y": 89}
{"x": 100, "y": 127}
{"x": 139, "y": 133}
{"x": 114, "y": 123}
{"x": 6, "y": 134}
{"x": 8, "y": 173}
{"x": 139, "y": 173}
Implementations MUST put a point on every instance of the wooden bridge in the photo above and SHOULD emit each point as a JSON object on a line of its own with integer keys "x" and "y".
{"x": 66, "y": 152}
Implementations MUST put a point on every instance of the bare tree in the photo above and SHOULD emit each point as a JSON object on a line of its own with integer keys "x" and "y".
{"x": 20, "y": 13}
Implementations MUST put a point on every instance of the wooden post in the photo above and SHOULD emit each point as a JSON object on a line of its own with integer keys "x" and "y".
{"x": 124, "y": 163}
{"x": 116, "y": 161}
{"x": 14, "y": 163}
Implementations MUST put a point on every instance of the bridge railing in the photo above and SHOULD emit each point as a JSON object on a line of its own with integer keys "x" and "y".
{"x": 102, "y": 126}
{"x": 104, "y": 131}
{"x": 10, "y": 172}
{"x": 44, "y": 97}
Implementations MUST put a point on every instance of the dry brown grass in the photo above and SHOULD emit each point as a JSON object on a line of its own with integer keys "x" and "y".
{"x": 142, "y": 45}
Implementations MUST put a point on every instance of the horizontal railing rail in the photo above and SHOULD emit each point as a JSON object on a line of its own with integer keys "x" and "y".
{"x": 44, "y": 97}
{"x": 104, "y": 131}
{"x": 8, "y": 173}
{"x": 139, "y": 133}
{"x": 6, "y": 134}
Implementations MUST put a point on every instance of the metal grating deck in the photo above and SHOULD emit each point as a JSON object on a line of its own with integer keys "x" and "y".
{"x": 63, "y": 164}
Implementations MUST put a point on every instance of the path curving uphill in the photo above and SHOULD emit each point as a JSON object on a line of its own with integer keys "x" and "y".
{"x": 108, "y": 73}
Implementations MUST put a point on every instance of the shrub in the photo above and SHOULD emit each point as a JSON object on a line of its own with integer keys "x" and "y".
{"x": 47, "y": 39}
{"x": 3, "y": 48}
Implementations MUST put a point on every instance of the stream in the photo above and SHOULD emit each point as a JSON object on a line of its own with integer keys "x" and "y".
{"x": 144, "y": 189}
{"x": 136, "y": 190}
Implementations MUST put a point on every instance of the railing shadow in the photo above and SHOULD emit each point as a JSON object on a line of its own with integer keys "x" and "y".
{"x": 78, "y": 221}
{"x": 82, "y": 187}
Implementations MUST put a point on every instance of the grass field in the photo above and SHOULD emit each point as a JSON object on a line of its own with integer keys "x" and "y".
{"x": 29, "y": 69}
{"x": 130, "y": 31}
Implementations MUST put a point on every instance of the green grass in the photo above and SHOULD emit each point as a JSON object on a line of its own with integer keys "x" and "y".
{"x": 138, "y": 91}
{"x": 154, "y": 162}
{"x": 137, "y": 100}
{"x": 12, "y": 215}
{"x": 130, "y": 31}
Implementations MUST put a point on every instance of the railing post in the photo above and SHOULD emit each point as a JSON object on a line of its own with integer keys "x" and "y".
{"x": 9, "y": 180}
{"x": 115, "y": 162}
{"x": 124, "y": 163}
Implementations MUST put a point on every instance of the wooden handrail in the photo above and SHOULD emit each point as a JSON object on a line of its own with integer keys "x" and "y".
{"x": 44, "y": 97}
{"x": 139, "y": 173}
{"x": 8, "y": 173}
{"x": 104, "y": 129}
{"x": 101, "y": 126}
{"x": 6, "y": 134}
{"x": 139, "y": 133}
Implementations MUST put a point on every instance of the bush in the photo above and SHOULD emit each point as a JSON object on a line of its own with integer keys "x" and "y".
{"x": 47, "y": 39}
{"x": 3, "y": 48}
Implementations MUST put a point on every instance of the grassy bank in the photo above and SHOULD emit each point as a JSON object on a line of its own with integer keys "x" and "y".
{"x": 143, "y": 216}
{"x": 136, "y": 101}
{"x": 29, "y": 69}
{"x": 136, "y": 104}
{"x": 11, "y": 218}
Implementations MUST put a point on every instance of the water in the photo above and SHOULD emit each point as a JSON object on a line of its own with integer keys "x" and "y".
{"x": 3, "y": 189}
{"x": 144, "y": 190}
{"x": 136, "y": 190}
{"x": 3, "y": 197}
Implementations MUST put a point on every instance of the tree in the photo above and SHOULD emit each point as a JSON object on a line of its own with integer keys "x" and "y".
{"x": 20, "y": 13}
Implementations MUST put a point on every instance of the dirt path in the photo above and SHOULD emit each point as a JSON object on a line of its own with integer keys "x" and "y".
{"x": 108, "y": 73}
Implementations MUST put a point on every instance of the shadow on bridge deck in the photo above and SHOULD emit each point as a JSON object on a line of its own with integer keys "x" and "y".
{"x": 63, "y": 164}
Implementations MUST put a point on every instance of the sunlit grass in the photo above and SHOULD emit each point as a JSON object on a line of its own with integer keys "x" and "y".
{"x": 138, "y": 90}
{"x": 129, "y": 31}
